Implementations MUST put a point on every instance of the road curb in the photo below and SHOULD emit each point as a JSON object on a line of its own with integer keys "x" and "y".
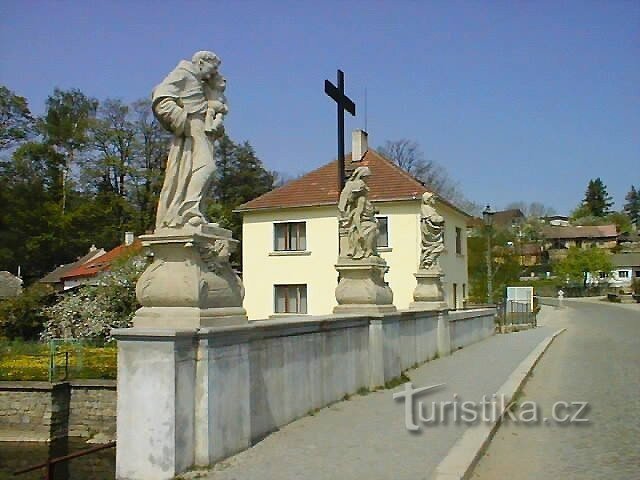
{"x": 465, "y": 453}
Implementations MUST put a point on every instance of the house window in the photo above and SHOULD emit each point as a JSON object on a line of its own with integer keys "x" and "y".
{"x": 638, "y": 273}
{"x": 383, "y": 231}
{"x": 623, "y": 273}
{"x": 290, "y": 299}
{"x": 290, "y": 236}
{"x": 464, "y": 292}
{"x": 459, "y": 240}
{"x": 603, "y": 274}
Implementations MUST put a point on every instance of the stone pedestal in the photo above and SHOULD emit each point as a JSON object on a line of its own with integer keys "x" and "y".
{"x": 428, "y": 294}
{"x": 362, "y": 288}
{"x": 190, "y": 283}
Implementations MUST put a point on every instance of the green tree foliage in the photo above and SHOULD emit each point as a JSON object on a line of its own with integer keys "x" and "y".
{"x": 104, "y": 162}
{"x": 597, "y": 202}
{"x": 505, "y": 264}
{"x": 66, "y": 124}
{"x": 579, "y": 262}
{"x": 22, "y": 316}
{"x": 16, "y": 121}
{"x": 632, "y": 205}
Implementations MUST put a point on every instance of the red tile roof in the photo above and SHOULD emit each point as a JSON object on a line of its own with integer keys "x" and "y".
{"x": 320, "y": 187}
{"x": 580, "y": 231}
{"x": 102, "y": 263}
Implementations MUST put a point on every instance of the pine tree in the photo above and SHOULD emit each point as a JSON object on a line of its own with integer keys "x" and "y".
{"x": 596, "y": 198}
{"x": 632, "y": 207}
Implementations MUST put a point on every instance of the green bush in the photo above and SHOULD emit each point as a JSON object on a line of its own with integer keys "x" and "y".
{"x": 21, "y": 316}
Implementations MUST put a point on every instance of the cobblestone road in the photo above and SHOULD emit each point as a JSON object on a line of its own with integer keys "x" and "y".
{"x": 596, "y": 360}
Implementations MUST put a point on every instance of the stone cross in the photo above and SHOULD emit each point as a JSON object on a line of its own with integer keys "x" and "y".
{"x": 344, "y": 103}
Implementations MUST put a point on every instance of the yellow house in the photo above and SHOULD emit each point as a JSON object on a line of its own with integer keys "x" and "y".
{"x": 290, "y": 239}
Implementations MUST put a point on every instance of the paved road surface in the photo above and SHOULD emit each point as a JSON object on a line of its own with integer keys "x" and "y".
{"x": 596, "y": 360}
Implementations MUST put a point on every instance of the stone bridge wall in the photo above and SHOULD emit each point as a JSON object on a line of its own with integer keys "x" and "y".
{"x": 193, "y": 397}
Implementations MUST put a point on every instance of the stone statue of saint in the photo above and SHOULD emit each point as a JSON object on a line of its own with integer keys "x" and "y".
{"x": 357, "y": 216}
{"x": 191, "y": 104}
{"x": 432, "y": 230}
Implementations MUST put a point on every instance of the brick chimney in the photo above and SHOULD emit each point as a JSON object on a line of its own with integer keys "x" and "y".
{"x": 359, "y": 145}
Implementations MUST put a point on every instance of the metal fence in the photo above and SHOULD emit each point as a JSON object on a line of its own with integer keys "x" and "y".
{"x": 65, "y": 358}
{"x": 516, "y": 313}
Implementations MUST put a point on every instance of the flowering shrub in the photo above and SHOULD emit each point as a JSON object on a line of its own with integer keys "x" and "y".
{"x": 92, "y": 311}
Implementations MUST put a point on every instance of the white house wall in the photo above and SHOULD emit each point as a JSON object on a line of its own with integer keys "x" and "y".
{"x": 263, "y": 268}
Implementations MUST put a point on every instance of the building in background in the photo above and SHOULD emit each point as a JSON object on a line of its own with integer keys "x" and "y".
{"x": 54, "y": 278}
{"x": 10, "y": 285}
{"x": 88, "y": 273}
{"x": 290, "y": 239}
{"x": 558, "y": 240}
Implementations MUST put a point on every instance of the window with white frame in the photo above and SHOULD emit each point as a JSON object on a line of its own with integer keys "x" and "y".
{"x": 290, "y": 298}
{"x": 603, "y": 274}
{"x": 383, "y": 231}
{"x": 623, "y": 273}
{"x": 290, "y": 236}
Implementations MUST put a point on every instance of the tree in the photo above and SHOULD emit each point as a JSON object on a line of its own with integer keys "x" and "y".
{"x": 596, "y": 199}
{"x": 533, "y": 209}
{"x": 16, "y": 122}
{"x": 408, "y": 156}
{"x": 632, "y": 206}
{"x": 31, "y": 226}
{"x": 66, "y": 124}
{"x": 579, "y": 263}
{"x": 152, "y": 147}
{"x": 21, "y": 316}
{"x": 505, "y": 265}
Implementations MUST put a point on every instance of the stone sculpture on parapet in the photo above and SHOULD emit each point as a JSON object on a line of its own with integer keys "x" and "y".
{"x": 361, "y": 288}
{"x": 428, "y": 294}
{"x": 190, "y": 282}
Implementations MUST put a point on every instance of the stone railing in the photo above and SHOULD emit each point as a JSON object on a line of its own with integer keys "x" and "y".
{"x": 194, "y": 397}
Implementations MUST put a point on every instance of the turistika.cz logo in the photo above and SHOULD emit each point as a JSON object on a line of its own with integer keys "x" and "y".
{"x": 488, "y": 410}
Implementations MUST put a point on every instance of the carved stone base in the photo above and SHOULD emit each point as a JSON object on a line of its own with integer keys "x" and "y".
{"x": 190, "y": 282}
{"x": 428, "y": 294}
{"x": 362, "y": 288}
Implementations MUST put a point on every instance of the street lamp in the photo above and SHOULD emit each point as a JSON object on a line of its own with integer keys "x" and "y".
{"x": 487, "y": 216}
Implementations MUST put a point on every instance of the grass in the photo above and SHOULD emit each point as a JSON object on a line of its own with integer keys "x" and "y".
{"x": 21, "y": 360}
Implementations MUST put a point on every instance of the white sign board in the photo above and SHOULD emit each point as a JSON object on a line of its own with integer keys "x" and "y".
{"x": 520, "y": 299}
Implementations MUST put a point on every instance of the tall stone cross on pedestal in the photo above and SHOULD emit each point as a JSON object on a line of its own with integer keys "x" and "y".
{"x": 344, "y": 103}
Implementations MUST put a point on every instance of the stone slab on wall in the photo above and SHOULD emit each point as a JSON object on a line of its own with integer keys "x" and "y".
{"x": 92, "y": 409}
{"x": 43, "y": 411}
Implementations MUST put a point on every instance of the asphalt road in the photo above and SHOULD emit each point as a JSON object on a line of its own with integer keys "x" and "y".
{"x": 597, "y": 360}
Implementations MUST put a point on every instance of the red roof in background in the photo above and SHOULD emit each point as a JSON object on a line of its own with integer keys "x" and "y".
{"x": 103, "y": 262}
{"x": 320, "y": 187}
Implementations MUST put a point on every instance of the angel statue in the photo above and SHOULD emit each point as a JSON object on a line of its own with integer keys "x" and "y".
{"x": 357, "y": 216}
{"x": 432, "y": 231}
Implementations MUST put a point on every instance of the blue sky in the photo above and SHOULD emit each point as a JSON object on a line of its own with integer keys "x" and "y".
{"x": 518, "y": 100}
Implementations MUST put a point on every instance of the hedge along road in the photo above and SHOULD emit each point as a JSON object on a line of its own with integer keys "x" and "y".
{"x": 596, "y": 361}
